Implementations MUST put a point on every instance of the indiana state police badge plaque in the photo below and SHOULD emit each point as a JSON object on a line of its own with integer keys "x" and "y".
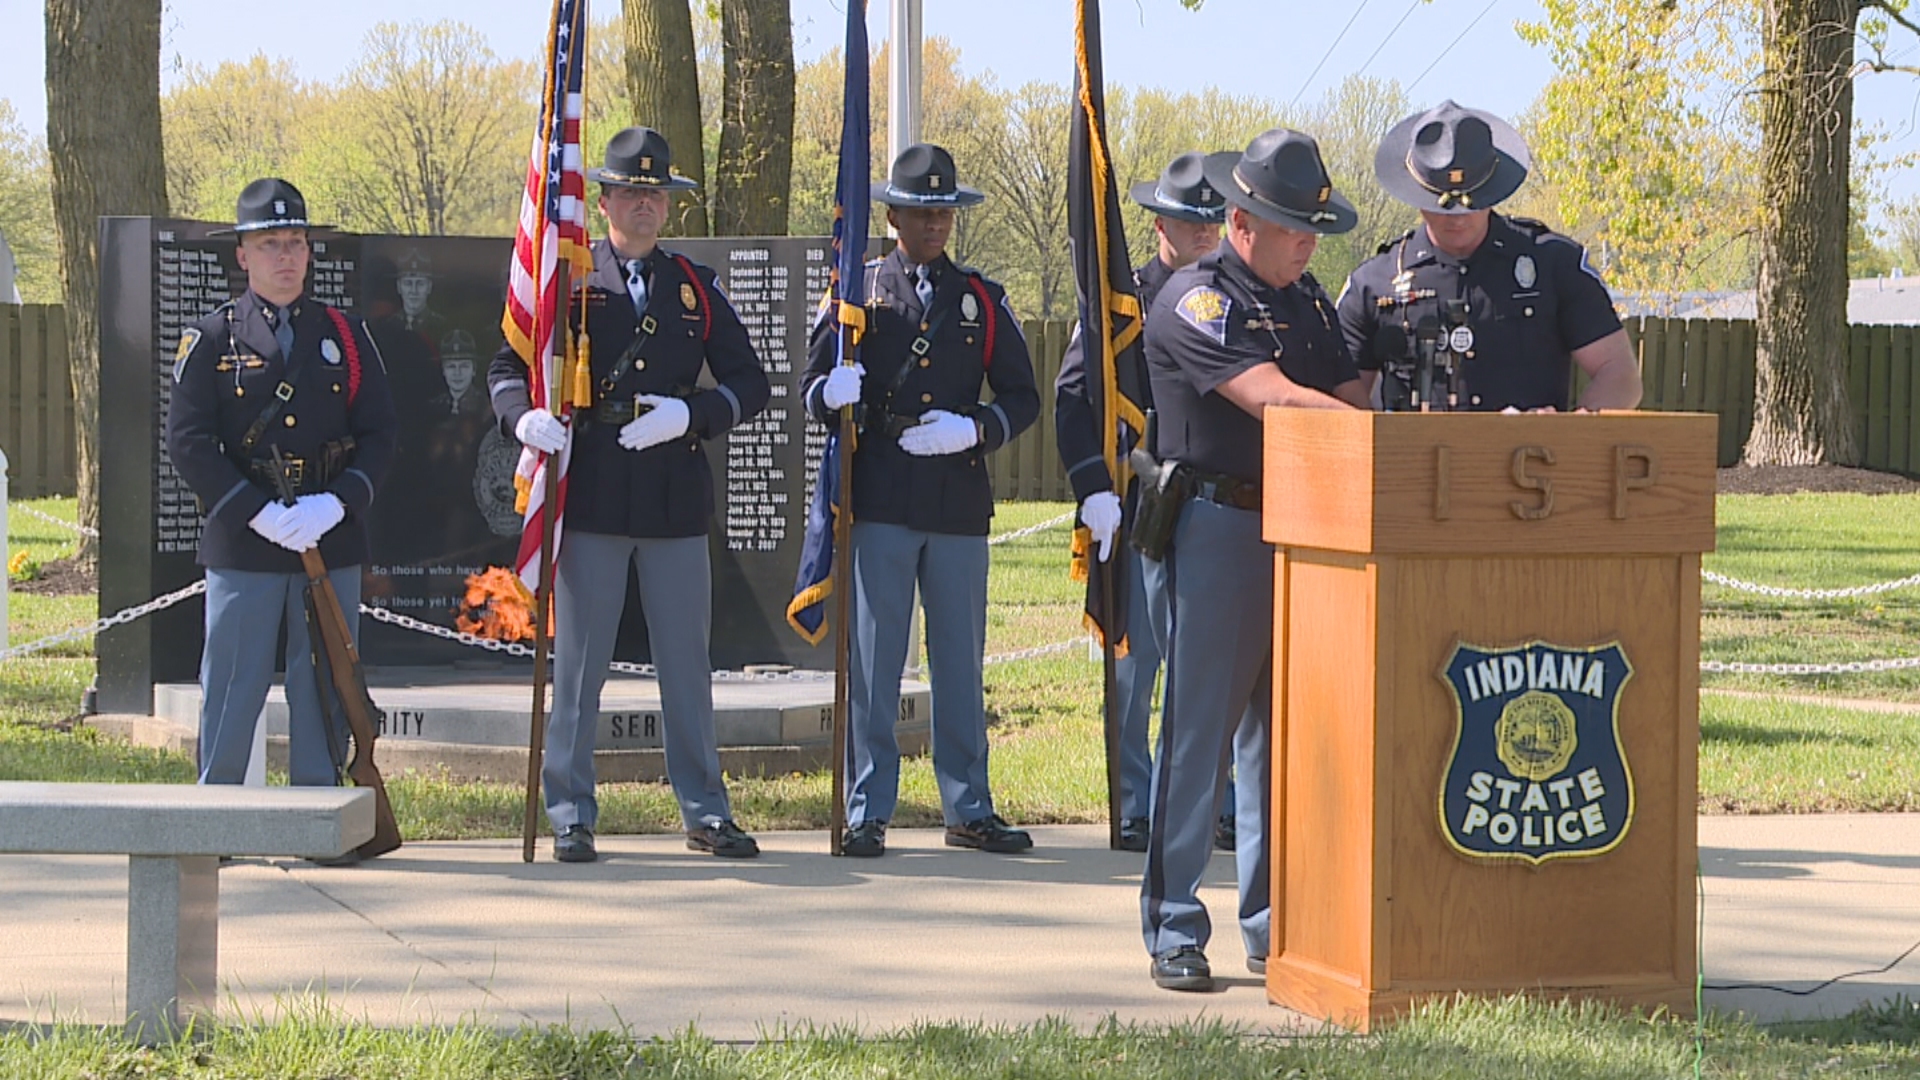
{"x": 1537, "y": 771}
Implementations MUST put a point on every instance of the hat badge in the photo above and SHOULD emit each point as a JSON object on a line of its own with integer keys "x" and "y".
{"x": 1456, "y": 176}
{"x": 280, "y": 207}
{"x": 1206, "y": 193}
{"x": 933, "y": 181}
{"x": 1324, "y": 192}
{"x": 646, "y": 163}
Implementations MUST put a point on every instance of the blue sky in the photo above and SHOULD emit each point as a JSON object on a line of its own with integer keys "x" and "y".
{"x": 1464, "y": 49}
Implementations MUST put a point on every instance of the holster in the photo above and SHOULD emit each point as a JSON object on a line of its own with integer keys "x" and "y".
{"x": 1165, "y": 487}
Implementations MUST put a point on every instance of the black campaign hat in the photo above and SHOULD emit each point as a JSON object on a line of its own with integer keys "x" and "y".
{"x": 1281, "y": 178}
{"x": 1183, "y": 193}
{"x": 269, "y": 203}
{"x": 639, "y": 157}
{"x": 1451, "y": 160}
{"x": 923, "y": 175}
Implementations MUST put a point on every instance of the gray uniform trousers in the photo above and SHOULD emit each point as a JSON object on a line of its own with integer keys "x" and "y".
{"x": 676, "y": 595}
{"x": 1134, "y": 675}
{"x": 1219, "y": 702}
{"x": 952, "y": 573}
{"x": 245, "y": 610}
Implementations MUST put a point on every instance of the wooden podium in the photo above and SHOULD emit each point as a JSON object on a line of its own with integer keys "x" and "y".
{"x": 1463, "y": 604}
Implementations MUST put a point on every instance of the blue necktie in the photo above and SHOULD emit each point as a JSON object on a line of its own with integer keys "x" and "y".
{"x": 282, "y": 322}
{"x": 637, "y": 285}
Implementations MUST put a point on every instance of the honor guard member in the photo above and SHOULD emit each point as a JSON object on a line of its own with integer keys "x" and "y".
{"x": 936, "y": 334}
{"x": 639, "y": 492}
{"x": 276, "y": 369}
{"x": 1239, "y": 330}
{"x": 1509, "y": 300}
{"x": 1187, "y": 213}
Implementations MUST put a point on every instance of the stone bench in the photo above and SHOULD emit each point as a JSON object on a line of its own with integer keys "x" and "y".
{"x": 174, "y": 835}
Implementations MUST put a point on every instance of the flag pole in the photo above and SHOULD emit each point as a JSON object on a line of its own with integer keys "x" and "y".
{"x": 1109, "y": 665}
{"x": 556, "y": 374}
{"x": 842, "y": 635}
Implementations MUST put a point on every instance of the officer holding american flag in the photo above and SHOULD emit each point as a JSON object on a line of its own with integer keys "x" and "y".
{"x": 638, "y": 491}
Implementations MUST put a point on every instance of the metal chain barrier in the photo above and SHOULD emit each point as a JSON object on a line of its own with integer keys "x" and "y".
{"x": 49, "y": 518}
{"x": 1017, "y": 534}
{"x": 1849, "y": 667}
{"x": 1809, "y": 594}
{"x": 118, "y": 618}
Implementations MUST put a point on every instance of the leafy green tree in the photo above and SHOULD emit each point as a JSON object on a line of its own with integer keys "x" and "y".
{"x": 26, "y": 210}
{"x": 229, "y": 126}
{"x": 426, "y": 134}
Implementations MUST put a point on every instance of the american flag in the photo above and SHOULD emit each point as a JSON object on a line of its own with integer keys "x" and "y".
{"x": 553, "y": 226}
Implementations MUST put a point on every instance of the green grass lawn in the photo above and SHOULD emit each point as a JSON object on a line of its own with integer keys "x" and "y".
{"x": 1469, "y": 1040}
{"x": 1756, "y": 756}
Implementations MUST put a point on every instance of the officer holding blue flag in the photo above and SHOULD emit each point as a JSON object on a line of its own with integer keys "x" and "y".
{"x": 937, "y": 333}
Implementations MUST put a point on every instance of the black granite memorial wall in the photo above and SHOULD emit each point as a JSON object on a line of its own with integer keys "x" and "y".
{"x": 433, "y": 305}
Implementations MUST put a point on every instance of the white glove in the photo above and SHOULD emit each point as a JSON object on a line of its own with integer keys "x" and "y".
{"x": 272, "y": 525}
{"x": 541, "y": 430}
{"x": 1100, "y": 513}
{"x": 842, "y": 385}
{"x": 666, "y": 421}
{"x": 939, "y": 432}
{"x": 312, "y": 517}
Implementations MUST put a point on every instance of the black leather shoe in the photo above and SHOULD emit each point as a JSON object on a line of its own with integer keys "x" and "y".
{"x": 989, "y": 833}
{"x": 867, "y": 840}
{"x": 1223, "y": 833}
{"x": 575, "y": 845}
{"x": 349, "y": 857}
{"x": 1184, "y": 968}
{"x": 725, "y": 840}
{"x": 1133, "y": 834}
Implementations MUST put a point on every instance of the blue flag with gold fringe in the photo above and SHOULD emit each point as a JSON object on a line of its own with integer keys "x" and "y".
{"x": 846, "y": 304}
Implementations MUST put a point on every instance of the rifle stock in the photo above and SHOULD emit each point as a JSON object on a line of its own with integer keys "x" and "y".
{"x": 350, "y": 685}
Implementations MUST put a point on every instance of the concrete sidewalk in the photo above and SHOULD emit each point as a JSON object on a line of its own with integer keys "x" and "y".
{"x": 655, "y": 937}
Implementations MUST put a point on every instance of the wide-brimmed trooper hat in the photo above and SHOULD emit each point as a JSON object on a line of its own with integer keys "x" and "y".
{"x": 1451, "y": 160}
{"x": 1281, "y": 179}
{"x": 638, "y": 157}
{"x": 923, "y": 175}
{"x": 1182, "y": 192}
{"x": 269, "y": 203}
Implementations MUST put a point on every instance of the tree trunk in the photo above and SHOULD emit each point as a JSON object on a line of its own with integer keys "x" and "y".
{"x": 754, "y": 172}
{"x": 663, "y": 79}
{"x": 1801, "y": 412}
{"x": 103, "y": 138}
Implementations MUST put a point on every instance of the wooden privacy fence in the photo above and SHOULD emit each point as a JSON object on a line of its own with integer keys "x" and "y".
{"x": 36, "y": 401}
{"x": 1698, "y": 365}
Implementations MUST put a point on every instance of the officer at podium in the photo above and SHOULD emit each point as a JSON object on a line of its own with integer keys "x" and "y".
{"x": 276, "y": 369}
{"x": 1504, "y": 301}
{"x": 1241, "y": 329}
{"x": 1187, "y": 213}
{"x": 640, "y": 493}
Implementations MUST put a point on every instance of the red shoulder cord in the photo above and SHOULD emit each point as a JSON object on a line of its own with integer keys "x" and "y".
{"x": 986, "y": 302}
{"x": 352, "y": 349}
{"x": 706, "y": 307}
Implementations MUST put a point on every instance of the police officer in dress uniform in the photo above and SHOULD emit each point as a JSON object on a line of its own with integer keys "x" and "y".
{"x": 921, "y": 498}
{"x": 639, "y": 491}
{"x": 1187, "y": 215}
{"x": 1512, "y": 299}
{"x": 1241, "y": 329}
{"x": 275, "y": 368}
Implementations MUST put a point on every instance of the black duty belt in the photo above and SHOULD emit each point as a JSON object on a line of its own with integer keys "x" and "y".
{"x": 873, "y": 420}
{"x": 624, "y": 410}
{"x": 1226, "y": 490}
{"x": 307, "y": 475}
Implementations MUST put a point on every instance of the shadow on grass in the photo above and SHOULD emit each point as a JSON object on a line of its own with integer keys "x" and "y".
{"x": 1740, "y": 733}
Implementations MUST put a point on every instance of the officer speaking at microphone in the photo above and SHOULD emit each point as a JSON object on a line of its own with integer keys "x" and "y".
{"x": 639, "y": 492}
{"x": 1239, "y": 330}
{"x": 1473, "y": 309}
{"x": 1187, "y": 213}
{"x": 276, "y": 369}
{"x": 937, "y": 335}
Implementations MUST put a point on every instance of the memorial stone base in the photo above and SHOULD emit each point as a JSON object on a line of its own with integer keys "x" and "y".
{"x": 471, "y": 724}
